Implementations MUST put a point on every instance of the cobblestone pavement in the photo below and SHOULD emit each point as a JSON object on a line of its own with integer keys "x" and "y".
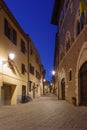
{"x": 45, "y": 113}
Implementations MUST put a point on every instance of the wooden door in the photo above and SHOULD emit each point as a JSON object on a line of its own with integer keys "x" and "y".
{"x": 83, "y": 84}
{"x": 63, "y": 89}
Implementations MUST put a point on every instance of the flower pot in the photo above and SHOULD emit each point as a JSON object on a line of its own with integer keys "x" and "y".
{"x": 74, "y": 100}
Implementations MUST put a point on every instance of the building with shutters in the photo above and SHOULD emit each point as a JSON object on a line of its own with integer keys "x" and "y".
{"x": 15, "y": 68}
{"x": 36, "y": 72}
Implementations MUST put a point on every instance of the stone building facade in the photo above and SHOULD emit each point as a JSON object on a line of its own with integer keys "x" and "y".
{"x": 47, "y": 87}
{"x": 14, "y": 73}
{"x": 71, "y": 50}
{"x": 36, "y": 72}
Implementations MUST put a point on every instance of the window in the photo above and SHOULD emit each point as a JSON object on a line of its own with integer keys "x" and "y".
{"x": 23, "y": 48}
{"x": 10, "y": 32}
{"x": 31, "y": 69}
{"x": 78, "y": 28}
{"x": 37, "y": 60}
{"x": 70, "y": 75}
{"x": 23, "y": 91}
{"x": 83, "y": 13}
{"x": 37, "y": 75}
{"x": 30, "y": 85}
{"x": 31, "y": 51}
{"x": 7, "y": 29}
{"x": 23, "y": 70}
{"x": 61, "y": 22}
{"x": 14, "y": 37}
{"x": 37, "y": 88}
{"x": 67, "y": 3}
{"x": 68, "y": 40}
{"x": 72, "y": 7}
{"x": 82, "y": 20}
{"x": 67, "y": 45}
{"x": 62, "y": 55}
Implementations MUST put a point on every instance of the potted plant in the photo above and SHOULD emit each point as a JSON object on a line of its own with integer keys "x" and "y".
{"x": 74, "y": 100}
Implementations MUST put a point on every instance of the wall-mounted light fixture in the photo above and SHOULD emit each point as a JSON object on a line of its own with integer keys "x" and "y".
{"x": 0, "y": 7}
{"x": 11, "y": 56}
{"x": 53, "y": 72}
{"x": 44, "y": 80}
{"x": 0, "y": 61}
{"x": 51, "y": 84}
{"x": 9, "y": 62}
{"x": 3, "y": 61}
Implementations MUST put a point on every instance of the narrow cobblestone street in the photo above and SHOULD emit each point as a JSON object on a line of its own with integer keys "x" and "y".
{"x": 44, "y": 113}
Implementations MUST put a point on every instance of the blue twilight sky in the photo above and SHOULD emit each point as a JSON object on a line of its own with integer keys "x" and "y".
{"x": 34, "y": 16}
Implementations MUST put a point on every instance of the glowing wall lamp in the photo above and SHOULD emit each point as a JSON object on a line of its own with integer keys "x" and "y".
{"x": 9, "y": 62}
{"x": 53, "y": 72}
{"x": 44, "y": 80}
{"x": 11, "y": 56}
{"x": 51, "y": 84}
{"x": 0, "y": 61}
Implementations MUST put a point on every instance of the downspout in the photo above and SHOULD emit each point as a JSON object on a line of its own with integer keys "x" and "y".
{"x": 28, "y": 45}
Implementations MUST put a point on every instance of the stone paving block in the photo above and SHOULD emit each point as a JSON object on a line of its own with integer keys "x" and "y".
{"x": 45, "y": 113}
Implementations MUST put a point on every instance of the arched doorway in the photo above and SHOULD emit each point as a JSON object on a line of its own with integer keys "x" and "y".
{"x": 63, "y": 89}
{"x": 83, "y": 84}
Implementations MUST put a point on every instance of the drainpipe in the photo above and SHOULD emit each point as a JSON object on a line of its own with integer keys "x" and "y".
{"x": 28, "y": 39}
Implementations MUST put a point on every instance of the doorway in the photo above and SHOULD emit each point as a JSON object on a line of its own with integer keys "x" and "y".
{"x": 83, "y": 84}
{"x": 23, "y": 93}
{"x": 63, "y": 89}
{"x": 34, "y": 90}
{"x": 8, "y": 94}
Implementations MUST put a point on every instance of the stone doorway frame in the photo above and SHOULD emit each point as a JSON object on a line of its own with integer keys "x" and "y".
{"x": 7, "y": 89}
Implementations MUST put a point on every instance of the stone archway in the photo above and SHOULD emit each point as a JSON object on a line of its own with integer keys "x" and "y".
{"x": 83, "y": 84}
{"x": 82, "y": 58}
{"x": 63, "y": 89}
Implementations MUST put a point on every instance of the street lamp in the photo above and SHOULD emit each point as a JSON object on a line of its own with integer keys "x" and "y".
{"x": 53, "y": 72}
{"x": 51, "y": 84}
{"x": 44, "y": 80}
